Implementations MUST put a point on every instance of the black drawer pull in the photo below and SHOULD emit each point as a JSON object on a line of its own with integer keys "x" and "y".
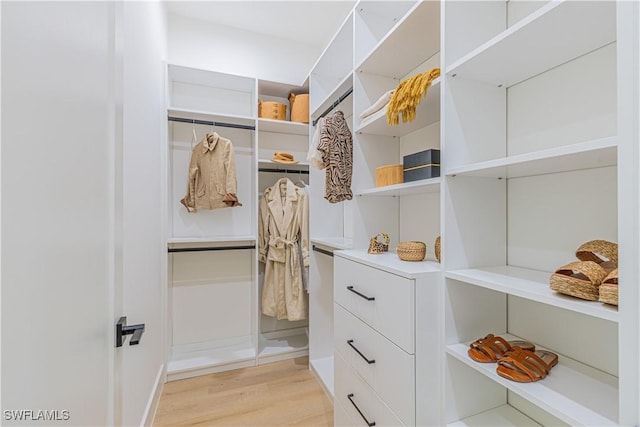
{"x": 370, "y": 424}
{"x": 350, "y": 342}
{"x": 358, "y": 293}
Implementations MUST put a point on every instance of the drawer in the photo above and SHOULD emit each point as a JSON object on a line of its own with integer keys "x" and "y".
{"x": 358, "y": 399}
{"x": 341, "y": 418}
{"x": 392, "y": 373}
{"x": 382, "y": 300}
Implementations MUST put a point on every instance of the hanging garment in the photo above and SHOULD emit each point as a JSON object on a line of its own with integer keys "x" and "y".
{"x": 378, "y": 105}
{"x": 336, "y": 147}
{"x": 212, "y": 175}
{"x": 407, "y": 96}
{"x": 282, "y": 227}
{"x": 314, "y": 156}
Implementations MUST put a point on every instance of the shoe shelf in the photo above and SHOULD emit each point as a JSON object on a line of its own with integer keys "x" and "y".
{"x": 573, "y": 392}
{"x": 431, "y": 185}
{"x": 532, "y": 285}
{"x": 585, "y": 155}
{"x": 283, "y": 126}
{"x": 412, "y": 40}
{"x": 427, "y": 113}
{"x": 504, "y": 415}
{"x": 553, "y": 35}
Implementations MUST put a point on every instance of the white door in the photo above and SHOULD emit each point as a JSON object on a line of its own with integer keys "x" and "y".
{"x": 76, "y": 251}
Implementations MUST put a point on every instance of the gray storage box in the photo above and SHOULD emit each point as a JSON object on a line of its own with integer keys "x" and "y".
{"x": 421, "y": 165}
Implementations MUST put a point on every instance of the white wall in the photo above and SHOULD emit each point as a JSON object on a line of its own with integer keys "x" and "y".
{"x": 208, "y": 46}
{"x": 144, "y": 217}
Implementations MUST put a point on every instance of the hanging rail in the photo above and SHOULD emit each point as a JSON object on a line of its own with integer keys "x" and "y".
{"x": 208, "y": 123}
{"x": 334, "y": 105}
{"x": 211, "y": 248}
{"x": 283, "y": 171}
{"x": 322, "y": 251}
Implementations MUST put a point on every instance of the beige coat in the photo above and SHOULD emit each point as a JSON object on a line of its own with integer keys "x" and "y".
{"x": 282, "y": 226}
{"x": 212, "y": 175}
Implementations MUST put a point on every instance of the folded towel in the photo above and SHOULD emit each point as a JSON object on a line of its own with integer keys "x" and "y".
{"x": 378, "y": 105}
{"x": 408, "y": 95}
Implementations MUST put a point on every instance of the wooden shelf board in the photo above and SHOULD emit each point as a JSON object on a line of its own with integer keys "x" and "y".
{"x": 211, "y": 116}
{"x": 431, "y": 185}
{"x": 573, "y": 392}
{"x": 266, "y": 163}
{"x": 283, "y": 126}
{"x": 346, "y": 105}
{"x": 504, "y": 415}
{"x": 333, "y": 242}
{"x": 211, "y": 239}
{"x": 554, "y": 34}
{"x": 427, "y": 113}
{"x": 532, "y": 285}
{"x": 390, "y": 263}
{"x": 583, "y": 155}
{"x": 410, "y": 42}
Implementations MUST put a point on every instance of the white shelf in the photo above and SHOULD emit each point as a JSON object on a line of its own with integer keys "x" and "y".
{"x": 422, "y": 28}
{"x": 554, "y": 34}
{"x": 431, "y": 185}
{"x": 211, "y": 239}
{"x": 283, "y": 126}
{"x": 323, "y": 368}
{"x": 211, "y": 116}
{"x": 575, "y": 393}
{"x": 584, "y": 155}
{"x": 427, "y": 113}
{"x": 346, "y": 105}
{"x": 300, "y": 166}
{"x": 279, "y": 345}
{"x": 390, "y": 263}
{"x": 504, "y": 415}
{"x": 333, "y": 242}
{"x": 532, "y": 285}
{"x": 208, "y": 355}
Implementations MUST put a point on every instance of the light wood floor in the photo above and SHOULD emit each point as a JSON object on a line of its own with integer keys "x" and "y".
{"x": 277, "y": 394}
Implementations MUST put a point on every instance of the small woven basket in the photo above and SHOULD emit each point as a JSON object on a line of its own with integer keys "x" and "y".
{"x": 438, "y": 248}
{"x": 377, "y": 247}
{"x": 411, "y": 251}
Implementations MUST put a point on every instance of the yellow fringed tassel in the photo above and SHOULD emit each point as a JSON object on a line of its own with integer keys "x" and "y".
{"x": 408, "y": 95}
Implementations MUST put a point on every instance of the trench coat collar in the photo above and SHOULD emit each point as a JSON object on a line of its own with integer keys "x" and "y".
{"x": 282, "y": 214}
{"x": 209, "y": 142}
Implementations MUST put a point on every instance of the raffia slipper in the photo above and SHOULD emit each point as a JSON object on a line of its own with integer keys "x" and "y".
{"x": 609, "y": 288}
{"x": 491, "y": 348}
{"x": 601, "y": 252}
{"x": 526, "y": 366}
{"x": 580, "y": 279}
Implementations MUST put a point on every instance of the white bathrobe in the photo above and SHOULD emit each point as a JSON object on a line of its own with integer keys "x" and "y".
{"x": 283, "y": 225}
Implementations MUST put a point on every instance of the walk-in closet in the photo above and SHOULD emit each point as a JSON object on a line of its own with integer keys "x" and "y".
{"x": 316, "y": 213}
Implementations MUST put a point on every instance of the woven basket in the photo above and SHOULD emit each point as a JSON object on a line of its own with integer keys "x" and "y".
{"x": 272, "y": 110}
{"x": 389, "y": 175}
{"x": 411, "y": 251}
{"x": 609, "y": 289}
{"x": 299, "y": 107}
{"x": 437, "y": 245}
{"x": 377, "y": 247}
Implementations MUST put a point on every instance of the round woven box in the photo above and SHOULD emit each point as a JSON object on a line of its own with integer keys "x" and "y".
{"x": 411, "y": 251}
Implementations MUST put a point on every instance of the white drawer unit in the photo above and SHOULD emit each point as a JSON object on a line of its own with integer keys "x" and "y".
{"x": 388, "y": 369}
{"x": 359, "y": 401}
{"x": 382, "y": 300}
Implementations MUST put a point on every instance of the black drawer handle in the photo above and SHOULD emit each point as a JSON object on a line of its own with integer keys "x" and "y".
{"x": 350, "y": 342}
{"x": 370, "y": 424}
{"x": 358, "y": 293}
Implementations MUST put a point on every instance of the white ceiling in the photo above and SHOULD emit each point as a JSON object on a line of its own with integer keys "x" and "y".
{"x": 310, "y": 22}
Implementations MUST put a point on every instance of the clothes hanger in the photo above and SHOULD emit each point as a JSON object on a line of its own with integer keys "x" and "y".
{"x": 300, "y": 183}
{"x": 194, "y": 136}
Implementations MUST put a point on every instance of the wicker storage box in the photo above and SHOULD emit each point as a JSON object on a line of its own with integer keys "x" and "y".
{"x": 411, "y": 251}
{"x": 272, "y": 110}
{"x": 389, "y": 175}
{"x": 299, "y": 107}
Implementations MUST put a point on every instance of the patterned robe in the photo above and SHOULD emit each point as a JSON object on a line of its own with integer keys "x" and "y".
{"x": 336, "y": 147}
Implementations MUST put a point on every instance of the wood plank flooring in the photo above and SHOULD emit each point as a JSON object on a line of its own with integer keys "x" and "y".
{"x": 277, "y": 394}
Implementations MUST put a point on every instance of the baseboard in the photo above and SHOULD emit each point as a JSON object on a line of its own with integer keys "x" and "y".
{"x": 206, "y": 370}
{"x": 154, "y": 400}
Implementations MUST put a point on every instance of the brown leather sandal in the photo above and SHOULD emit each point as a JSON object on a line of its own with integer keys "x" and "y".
{"x": 491, "y": 348}
{"x": 525, "y": 366}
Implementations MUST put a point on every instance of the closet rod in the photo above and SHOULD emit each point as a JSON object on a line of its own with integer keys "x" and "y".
{"x": 322, "y": 251}
{"x": 334, "y": 105}
{"x": 211, "y": 248}
{"x": 283, "y": 171}
{"x": 204, "y": 122}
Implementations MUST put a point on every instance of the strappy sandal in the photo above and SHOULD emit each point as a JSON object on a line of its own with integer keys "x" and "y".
{"x": 580, "y": 279}
{"x": 603, "y": 253}
{"x": 526, "y": 366}
{"x": 609, "y": 288}
{"x": 491, "y": 348}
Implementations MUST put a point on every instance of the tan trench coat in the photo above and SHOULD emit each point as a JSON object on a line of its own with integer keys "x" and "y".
{"x": 212, "y": 175}
{"x": 282, "y": 226}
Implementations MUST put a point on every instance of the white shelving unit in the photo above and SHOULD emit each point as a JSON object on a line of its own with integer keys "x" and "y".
{"x": 430, "y": 185}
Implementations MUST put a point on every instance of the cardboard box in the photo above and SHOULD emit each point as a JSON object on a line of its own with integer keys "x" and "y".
{"x": 421, "y": 165}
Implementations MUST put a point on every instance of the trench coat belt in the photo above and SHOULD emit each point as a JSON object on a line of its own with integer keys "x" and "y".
{"x": 277, "y": 251}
